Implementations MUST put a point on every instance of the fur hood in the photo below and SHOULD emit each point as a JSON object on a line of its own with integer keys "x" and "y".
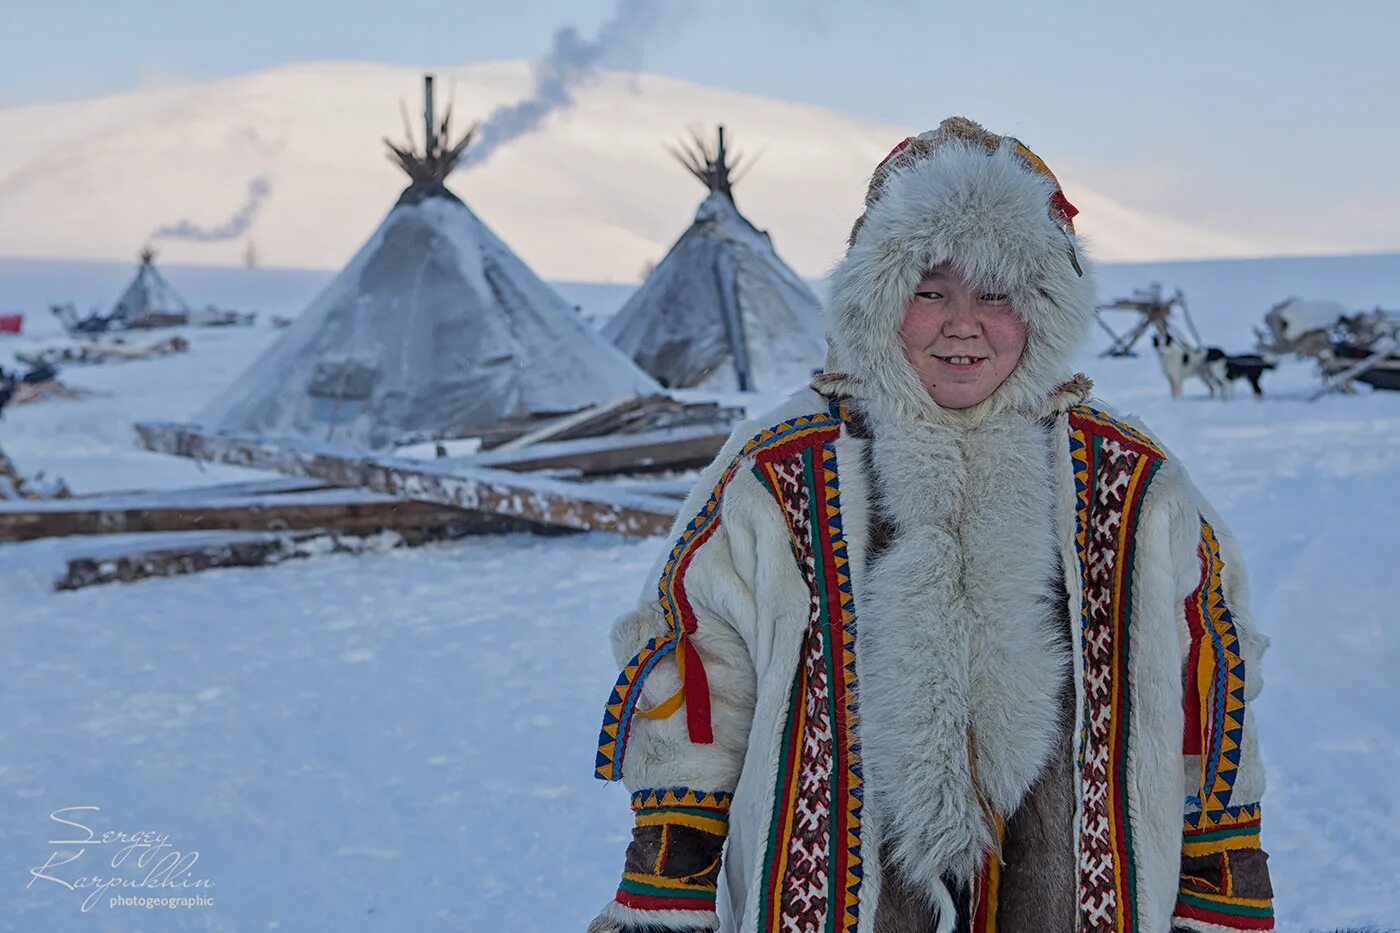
{"x": 987, "y": 205}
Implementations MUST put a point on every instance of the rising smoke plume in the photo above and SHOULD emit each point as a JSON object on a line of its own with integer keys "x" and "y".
{"x": 258, "y": 190}
{"x": 571, "y": 61}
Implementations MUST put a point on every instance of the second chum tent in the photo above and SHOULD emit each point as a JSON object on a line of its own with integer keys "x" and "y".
{"x": 722, "y": 311}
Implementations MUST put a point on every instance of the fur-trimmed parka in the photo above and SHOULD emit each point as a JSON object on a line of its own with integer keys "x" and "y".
{"x": 906, "y": 668}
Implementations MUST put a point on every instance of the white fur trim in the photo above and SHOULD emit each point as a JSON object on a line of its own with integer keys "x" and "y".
{"x": 956, "y": 611}
{"x": 988, "y": 214}
{"x": 1155, "y": 786}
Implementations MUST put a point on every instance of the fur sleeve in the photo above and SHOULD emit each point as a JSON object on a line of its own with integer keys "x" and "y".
{"x": 1224, "y": 870}
{"x": 677, "y": 723}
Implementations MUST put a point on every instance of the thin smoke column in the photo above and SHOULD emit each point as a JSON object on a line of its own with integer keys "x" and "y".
{"x": 258, "y": 190}
{"x": 572, "y": 60}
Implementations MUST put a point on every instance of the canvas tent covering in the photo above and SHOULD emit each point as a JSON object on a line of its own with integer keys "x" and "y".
{"x": 435, "y": 328}
{"x": 722, "y": 310}
{"x": 149, "y": 295}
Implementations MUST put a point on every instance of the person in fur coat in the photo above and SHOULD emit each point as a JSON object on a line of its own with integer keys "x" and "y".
{"x": 941, "y": 645}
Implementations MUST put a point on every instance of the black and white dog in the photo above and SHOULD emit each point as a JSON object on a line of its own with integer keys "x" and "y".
{"x": 1212, "y": 365}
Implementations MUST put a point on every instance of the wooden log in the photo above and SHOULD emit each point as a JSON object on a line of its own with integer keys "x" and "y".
{"x": 275, "y": 485}
{"x": 178, "y": 553}
{"x": 172, "y": 556}
{"x": 575, "y": 425}
{"x": 546, "y": 501}
{"x": 348, "y": 511}
{"x": 669, "y": 449}
{"x": 627, "y": 415}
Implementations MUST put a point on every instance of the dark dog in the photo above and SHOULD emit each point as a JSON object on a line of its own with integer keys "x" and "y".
{"x": 1212, "y": 365}
{"x": 1249, "y": 366}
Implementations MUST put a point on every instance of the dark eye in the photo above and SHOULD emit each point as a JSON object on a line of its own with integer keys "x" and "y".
{"x": 996, "y": 298}
{"x": 928, "y": 296}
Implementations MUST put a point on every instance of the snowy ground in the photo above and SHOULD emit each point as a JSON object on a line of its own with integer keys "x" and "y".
{"x": 404, "y": 740}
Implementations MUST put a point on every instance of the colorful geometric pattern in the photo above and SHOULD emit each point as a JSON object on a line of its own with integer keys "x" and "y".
{"x": 1230, "y": 913}
{"x": 659, "y": 797}
{"x": 799, "y": 889}
{"x": 774, "y": 442}
{"x": 674, "y": 860}
{"x": 1113, "y": 468}
{"x": 813, "y": 868}
{"x": 1224, "y": 874}
{"x": 1214, "y": 688}
{"x": 1235, "y": 828}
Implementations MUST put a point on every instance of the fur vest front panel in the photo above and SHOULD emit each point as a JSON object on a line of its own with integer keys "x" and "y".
{"x": 962, "y": 639}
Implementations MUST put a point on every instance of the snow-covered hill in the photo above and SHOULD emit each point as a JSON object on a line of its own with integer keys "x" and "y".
{"x": 592, "y": 197}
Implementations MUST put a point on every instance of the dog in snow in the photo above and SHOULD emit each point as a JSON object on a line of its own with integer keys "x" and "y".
{"x": 1212, "y": 365}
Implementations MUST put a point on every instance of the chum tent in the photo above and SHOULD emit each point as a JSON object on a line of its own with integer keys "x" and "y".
{"x": 722, "y": 310}
{"x": 434, "y": 329}
{"x": 149, "y": 296}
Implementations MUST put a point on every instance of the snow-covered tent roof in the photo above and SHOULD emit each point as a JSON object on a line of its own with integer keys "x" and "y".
{"x": 435, "y": 327}
{"x": 722, "y": 310}
{"x": 1294, "y": 317}
{"x": 149, "y": 293}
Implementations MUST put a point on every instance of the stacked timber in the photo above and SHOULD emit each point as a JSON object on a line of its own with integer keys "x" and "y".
{"x": 606, "y": 468}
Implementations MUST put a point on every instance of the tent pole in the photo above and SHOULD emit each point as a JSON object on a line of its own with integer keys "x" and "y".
{"x": 428, "y": 115}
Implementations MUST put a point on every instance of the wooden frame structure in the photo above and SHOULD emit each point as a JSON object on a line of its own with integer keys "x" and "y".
{"x": 1154, "y": 313}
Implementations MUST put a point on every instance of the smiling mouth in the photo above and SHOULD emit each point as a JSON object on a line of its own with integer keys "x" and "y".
{"x": 960, "y": 362}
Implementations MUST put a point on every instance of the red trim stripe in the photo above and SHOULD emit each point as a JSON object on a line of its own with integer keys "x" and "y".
{"x": 702, "y": 902}
{"x": 1229, "y": 921}
{"x": 836, "y": 684}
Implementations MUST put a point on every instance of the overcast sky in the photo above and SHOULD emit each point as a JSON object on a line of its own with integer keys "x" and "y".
{"x": 1241, "y": 116}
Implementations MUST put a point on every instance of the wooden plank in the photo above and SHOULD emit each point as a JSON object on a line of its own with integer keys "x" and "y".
{"x": 573, "y": 424}
{"x": 178, "y": 553}
{"x": 172, "y": 555}
{"x": 352, "y": 511}
{"x": 273, "y": 485}
{"x": 484, "y": 489}
{"x": 190, "y": 495}
{"x": 669, "y": 449}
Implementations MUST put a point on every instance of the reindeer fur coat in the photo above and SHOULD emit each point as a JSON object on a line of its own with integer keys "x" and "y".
{"x": 881, "y": 622}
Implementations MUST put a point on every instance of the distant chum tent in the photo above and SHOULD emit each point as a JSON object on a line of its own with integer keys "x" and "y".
{"x": 149, "y": 299}
{"x": 435, "y": 328}
{"x": 722, "y": 310}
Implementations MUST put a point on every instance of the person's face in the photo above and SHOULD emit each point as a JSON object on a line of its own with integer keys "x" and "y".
{"x": 962, "y": 342}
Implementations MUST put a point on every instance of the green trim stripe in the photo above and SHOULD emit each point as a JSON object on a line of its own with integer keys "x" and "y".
{"x": 1229, "y": 832}
{"x": 784, "y": 763}
{"x": 833, "y": 910}
{"x": 706, "y": 895}
{"x": 693, "y": 811}
{"x": 1236, "y": 910}
{"x": 1126, "y": 609}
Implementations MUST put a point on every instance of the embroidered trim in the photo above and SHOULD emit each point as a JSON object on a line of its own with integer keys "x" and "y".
{"x": 1226, "y": 890}
{"x": 1231, "y": 913}
{"x": 674, "y": 860}
{"x": 1114, "y": 465}
{"x": 1215, "y": 687}
{"x": 653, "y": 798}
{"x": 1224, "y": 881}
{"x": 679, "y": 615}
{"x": 813, "y": 868}
{"x": 1235, "y": 828}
